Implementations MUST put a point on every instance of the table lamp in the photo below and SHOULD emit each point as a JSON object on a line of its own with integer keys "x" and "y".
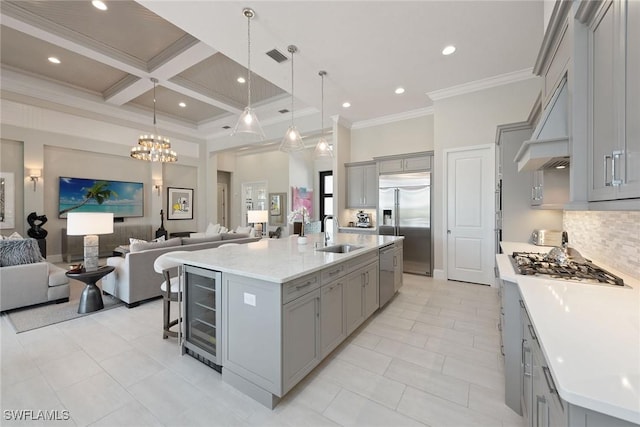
{"x": 89, "y": 225}
{"x": 258, "y": 217}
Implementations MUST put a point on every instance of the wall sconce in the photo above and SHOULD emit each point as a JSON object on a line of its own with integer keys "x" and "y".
{"x": 157, "y": 184}
{"x": 35, "y": 174}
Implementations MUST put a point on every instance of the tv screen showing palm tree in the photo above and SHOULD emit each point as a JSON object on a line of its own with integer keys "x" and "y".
{"x": 123, "y": 199}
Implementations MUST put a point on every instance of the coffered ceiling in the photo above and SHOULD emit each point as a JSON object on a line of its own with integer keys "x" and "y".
{"x": 198, "y": 49}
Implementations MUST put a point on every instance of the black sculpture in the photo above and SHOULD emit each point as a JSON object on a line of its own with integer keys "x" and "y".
{"x": 161, "y": 231}
{"x": 36, "y": 222}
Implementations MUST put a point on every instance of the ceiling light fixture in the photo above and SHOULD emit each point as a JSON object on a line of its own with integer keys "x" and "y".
{"x": 399, "y": 91}
{"x": 154, "y": 148}
{"x": 182, "y": 104}
{"x": 448, "y": 50}
{"x": 248, "y": 125}
{"x": 292, "y": 140}
{"x": 53, "y": 60}
{"x": 346, "y": 104}
{"x": 322, "y": 147}
{"x": 241, "y": 80}
{"x": 99, "y": 4}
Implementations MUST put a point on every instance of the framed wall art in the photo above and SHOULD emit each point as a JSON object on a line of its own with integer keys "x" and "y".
{"x": 179, "y": 203}
{"x": 7, "y": 200}
{"x": 277, "y": 208}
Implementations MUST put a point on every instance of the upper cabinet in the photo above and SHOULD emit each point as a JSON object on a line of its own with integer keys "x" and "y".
{"x": 362, "y": 185}
{"x": 418, "y": 162}
{"x": 614, "y": 101}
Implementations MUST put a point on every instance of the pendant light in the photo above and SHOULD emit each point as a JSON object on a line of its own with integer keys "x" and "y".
{"x": 292, "y": 140}
{"x": 322, "y": 147}
{"x": 154, "y": 148}
{"x": 248, "y": 127}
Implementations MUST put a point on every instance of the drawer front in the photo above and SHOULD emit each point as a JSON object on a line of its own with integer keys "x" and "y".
{"x": 331, "y": 273}
{"x": 297, "y": 288}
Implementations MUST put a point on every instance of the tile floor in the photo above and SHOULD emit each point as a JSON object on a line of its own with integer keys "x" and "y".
{"x": 429, "y": 358}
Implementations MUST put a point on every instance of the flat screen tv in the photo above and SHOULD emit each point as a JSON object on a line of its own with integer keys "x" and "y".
{"x": 123, "y": 199}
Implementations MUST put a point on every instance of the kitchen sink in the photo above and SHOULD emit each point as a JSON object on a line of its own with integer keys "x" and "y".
{"x": 340, "y": 249}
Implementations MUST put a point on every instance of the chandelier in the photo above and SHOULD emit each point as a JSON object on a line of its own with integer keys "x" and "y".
{"x": 153, "y": 147}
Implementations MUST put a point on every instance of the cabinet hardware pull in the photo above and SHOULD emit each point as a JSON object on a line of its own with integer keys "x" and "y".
{"x": 615, "y": 157}
{"x": 606, "y": 157}
{"x": 532, "y": 332}
{"x": 521, "y": 304}
{"x": 304, "y": 285}
{"x": 334, "y": 272}
{"x": 551, "y": 384}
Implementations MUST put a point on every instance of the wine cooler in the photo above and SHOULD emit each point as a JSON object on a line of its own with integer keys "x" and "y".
{"x": 202, "y": 316}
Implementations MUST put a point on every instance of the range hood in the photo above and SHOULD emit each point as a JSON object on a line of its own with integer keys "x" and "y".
{"x": 549, "y": 143}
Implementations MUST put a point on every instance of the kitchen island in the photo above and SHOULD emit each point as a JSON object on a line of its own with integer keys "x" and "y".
{"x": 283, "y": 307}
{"x": 581, "y": 355}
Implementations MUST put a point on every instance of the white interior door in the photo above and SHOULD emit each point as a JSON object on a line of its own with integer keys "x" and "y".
{"x": 470, "y": 205}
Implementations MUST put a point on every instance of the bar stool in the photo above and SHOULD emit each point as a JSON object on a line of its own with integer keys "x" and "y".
{"x": 170, "y": 292}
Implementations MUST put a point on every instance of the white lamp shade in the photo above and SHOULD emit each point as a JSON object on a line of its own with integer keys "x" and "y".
{"x": 257, "y": 216}
{"x": 35, "y": 173}
{"x": 83, "y": 223}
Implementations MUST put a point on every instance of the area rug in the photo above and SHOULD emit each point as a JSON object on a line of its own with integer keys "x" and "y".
{"x": 44, "y": 315}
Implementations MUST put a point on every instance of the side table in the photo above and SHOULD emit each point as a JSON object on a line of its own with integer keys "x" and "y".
{"x": 91, "y": 298}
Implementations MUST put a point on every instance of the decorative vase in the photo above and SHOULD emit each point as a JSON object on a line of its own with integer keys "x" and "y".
{"x": 302, "y": 240}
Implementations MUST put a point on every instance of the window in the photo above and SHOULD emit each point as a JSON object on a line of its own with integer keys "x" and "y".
{"x": 326, "y": 195}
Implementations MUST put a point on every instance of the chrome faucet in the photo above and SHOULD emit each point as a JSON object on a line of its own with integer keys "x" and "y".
{"x": 326, "y": 230}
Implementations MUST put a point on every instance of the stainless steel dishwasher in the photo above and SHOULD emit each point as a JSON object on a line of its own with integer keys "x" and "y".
{"x": 387, "y": 273}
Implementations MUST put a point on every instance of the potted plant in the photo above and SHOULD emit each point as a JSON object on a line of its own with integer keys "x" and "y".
{"x": 300, "y": 213}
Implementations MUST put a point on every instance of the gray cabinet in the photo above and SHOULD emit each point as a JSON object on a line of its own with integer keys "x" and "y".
{"x": 512, "y": 344}
{"x": 614, "y": 131}
{"x": 332, "y": 316}
{"x": 300, "y": 338}
{"x": 362, "y": 185}
{"x": 370, "y": 290}
{"x": 353, "y": 301}
{"x": 406, "y": 163}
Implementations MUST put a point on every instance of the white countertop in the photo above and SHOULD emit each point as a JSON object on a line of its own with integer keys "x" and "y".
{"x": 281, "y": 260}
{"x": 590, "y": 336}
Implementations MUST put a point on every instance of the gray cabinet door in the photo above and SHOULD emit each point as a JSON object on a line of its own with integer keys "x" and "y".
{"x": 391, "y": 166}
{"x": 370, "y": 186}
{"x": 353, "y": 301}
{"x": 301, "y": 333}
{"x": 602, "y": 141}
{"x": 332, "y": 317}
{"x": 355, "y": 183}
{"x": 371, "y": 289}
{"x": 417, "y": 163}
{"x": 398, "y": 266}
{"x": 631, "y": 185}
{"x": 362, "y": 186}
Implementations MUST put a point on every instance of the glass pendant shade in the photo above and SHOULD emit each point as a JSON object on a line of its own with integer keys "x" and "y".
{"x": 248, "y": 126}
{"x": 292, "y": 140}
{"x": 323, "y": 149}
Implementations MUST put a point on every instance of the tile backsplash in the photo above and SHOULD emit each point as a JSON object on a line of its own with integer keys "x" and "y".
{"x": 611, "y": 237}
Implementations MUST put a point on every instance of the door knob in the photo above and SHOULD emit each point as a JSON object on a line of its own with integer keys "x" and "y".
{"x": 448, "y": 231}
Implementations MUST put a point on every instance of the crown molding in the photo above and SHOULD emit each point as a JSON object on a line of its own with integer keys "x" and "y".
{"x": 499, "y": 80}
{"x": 391, "y": 118}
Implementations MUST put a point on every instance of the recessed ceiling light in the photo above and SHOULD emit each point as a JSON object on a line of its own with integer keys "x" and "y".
{"x": 346, "y": 105}
{"x": 448, "y": 50}
{"x": 182, "y": 104}
{"x": 241, "y": 80}
{"x": 99, "y": 4}
{"x": 399, "y": 90}
{"x": 53, "y": 60}
{"x": 561, "y": 166}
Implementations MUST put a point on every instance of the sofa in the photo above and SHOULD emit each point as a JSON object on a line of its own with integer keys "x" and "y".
{"x": 134, "y": 280}
{"x": 26, "y": 278}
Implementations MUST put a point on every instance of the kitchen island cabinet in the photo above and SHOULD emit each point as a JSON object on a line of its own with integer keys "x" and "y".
{"x": 279, "y": 323}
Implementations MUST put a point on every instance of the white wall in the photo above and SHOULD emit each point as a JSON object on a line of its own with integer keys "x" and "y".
{"x": 11, "y": 160}
{"x": 468, "y": 120}
{"x": 405, "y": 136}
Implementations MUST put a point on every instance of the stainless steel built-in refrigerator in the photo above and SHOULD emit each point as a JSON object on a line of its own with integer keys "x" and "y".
{"x": 405, "y": 210}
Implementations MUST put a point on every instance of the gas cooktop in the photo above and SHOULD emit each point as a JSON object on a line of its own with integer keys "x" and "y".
{"x": 529, "y": 263}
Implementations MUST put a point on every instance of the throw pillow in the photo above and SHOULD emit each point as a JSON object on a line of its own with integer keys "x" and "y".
{"x": 143, "y": 246}
{"x": 157, "y": 239}
{"x": 244, "y": 230}
{"x": 212, "y": 229}
{"x": 14, "y": 236}
{"x": 17, "y": 252}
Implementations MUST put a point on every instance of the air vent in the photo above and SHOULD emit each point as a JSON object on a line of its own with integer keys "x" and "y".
{"x": 277, "y": 56}
{"x": 283, "y": 111}
{"x": 226, "y": 127}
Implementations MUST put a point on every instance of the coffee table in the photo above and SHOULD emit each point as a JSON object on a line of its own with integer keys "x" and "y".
{"x": 91, "y": 298}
